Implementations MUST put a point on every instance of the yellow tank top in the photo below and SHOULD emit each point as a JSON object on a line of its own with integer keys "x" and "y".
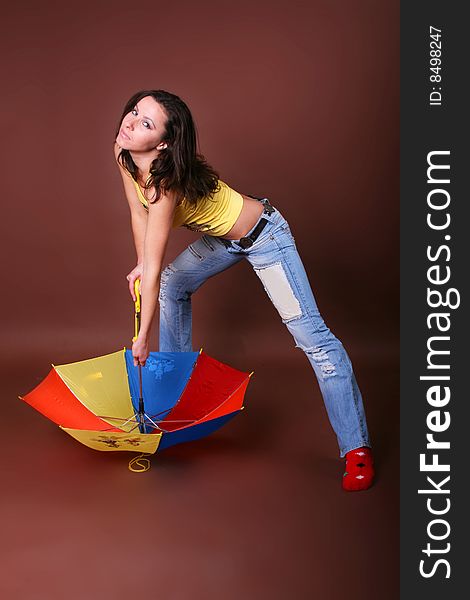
{"x": 214, "y": 216}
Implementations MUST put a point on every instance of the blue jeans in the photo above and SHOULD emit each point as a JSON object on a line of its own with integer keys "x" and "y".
{"x": 276, "y": 262}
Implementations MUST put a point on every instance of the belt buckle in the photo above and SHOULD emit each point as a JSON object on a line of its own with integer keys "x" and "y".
{"x": 268, "y": 207}
{"x": 245, "y": 243}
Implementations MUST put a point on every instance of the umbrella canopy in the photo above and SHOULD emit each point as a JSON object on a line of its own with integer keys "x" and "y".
{"x": 187, "y": 396}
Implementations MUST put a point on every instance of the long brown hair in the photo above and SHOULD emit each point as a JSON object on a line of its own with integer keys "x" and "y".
{"x": 178, "y": 167}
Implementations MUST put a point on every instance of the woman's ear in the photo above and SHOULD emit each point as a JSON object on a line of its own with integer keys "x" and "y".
{"x": 162, "y": 146}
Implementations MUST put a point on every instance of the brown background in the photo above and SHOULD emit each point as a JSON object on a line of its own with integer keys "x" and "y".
{"x": 297, "y": 101}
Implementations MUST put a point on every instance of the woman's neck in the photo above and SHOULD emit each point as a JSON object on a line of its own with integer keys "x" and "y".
{"x": 143, "y": 163}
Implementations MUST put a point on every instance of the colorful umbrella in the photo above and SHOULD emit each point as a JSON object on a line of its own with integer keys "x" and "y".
{"x": 187, "y": 396}
{"x": 107, "y": 403}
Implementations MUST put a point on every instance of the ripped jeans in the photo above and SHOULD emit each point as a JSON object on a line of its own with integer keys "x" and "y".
{"x": 276, "y": 262}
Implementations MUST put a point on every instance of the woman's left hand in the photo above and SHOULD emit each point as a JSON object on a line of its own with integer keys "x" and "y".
{"x": 140, "y": 351}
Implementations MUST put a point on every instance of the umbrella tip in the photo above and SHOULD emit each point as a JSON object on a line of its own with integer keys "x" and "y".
{"x": 252, "y": 373}
{"x": 200, "y": 351}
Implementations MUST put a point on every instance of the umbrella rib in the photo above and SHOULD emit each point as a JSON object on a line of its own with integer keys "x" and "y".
{"x": 175, "y": 420}
{"x": 166, "y": 410}
{"x": 149, "y": 418}
{"x": 124, "y": 421}
{"x": 114, "y": 418}
{"x": 133, "y": 428}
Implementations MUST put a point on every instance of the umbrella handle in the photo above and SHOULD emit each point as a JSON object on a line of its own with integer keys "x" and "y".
{"x": 137, "y": 309}
{"x": 141, "y": 412}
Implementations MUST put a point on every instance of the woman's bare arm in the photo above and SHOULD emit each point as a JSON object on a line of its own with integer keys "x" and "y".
{"x": 138, "y": 212}
{"x": 159, "y": 224}
{"x": 151, "y": 231}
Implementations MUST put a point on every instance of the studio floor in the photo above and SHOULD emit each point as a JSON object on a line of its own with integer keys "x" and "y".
{"x": 255, "y": 511}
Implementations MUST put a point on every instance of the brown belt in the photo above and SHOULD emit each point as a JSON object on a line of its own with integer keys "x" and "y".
{"x": 248, "y": 241}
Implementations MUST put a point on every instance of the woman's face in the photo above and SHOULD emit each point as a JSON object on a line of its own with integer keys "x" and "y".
{"x": 142, "y": 129}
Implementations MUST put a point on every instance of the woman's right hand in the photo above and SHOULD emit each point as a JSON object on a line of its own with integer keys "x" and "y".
{"x": 136, "y": 273}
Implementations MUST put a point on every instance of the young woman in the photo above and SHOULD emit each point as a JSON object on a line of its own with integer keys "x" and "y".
{"x": 168, "y": 184}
